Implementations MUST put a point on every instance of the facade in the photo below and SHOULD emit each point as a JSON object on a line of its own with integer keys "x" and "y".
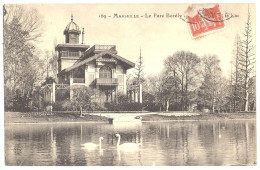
{"x": 98, "y": 67}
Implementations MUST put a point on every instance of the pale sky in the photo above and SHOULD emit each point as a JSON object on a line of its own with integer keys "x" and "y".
{"x": 157, "y": 37}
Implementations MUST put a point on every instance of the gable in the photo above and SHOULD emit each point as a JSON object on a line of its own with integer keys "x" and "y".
{"x": 105, "y": 56}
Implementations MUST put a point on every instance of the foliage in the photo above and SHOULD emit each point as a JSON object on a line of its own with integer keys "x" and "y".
{"x": 211, "y": 84}
{"x": 83, "y": 98}
{"x": 64, "y": 105}
{"x": 21, "y": 102}
{"x": 121, "y": 98}
{"x": 51, "y": 61}
{"x": 48, "y": 80}
{"x": 152, "y": 106}
{"x": 22, "y": 27}
{"x": 175, "y": 84}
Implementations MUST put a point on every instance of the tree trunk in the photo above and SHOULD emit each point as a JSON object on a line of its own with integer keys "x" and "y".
{"x": 186, "y": 91}
{"x": 182, "y": 91}
{"x": 81, "y": 111}
{"x": 213, "y": 105}
{"x": 247, "y": 94}
{"x": 167, "y": 105}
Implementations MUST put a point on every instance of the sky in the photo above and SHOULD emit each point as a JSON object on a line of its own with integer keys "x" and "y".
{"x": 157, "y": 37}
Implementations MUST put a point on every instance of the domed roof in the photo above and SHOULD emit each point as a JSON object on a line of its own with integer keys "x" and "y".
{"x": 72, "y": 27}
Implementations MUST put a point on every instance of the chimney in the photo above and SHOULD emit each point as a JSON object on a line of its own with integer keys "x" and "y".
{"x": 83, "y": 36}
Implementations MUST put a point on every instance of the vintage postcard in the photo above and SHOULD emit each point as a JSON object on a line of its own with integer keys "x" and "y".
{"x": 129, "y": 84}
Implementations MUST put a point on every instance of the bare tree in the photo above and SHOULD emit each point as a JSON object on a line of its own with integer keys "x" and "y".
{"x": 140, "y": 69}
{"x": 30, "y": 20}
{"x": 247, "y": 60}
{"x": 139, "y": 75}
{"x": 236, "y": 76}
{"x": 183, "y": 68}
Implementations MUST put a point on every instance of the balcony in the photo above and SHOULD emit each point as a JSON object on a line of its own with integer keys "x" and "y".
{"x": 78, "y": 80}
{"x": 107, "y": 81}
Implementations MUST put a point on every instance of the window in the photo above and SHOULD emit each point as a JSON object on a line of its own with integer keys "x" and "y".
{"x": 105, "y": 72}
{"x": 74, "y": 53}
{"x": 64, "y": 53}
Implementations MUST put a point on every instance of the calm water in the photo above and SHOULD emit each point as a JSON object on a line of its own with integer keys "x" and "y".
{"x": 164, "y": 143}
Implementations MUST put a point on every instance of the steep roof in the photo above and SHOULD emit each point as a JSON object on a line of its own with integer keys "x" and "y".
{"x": 96, "y": 56}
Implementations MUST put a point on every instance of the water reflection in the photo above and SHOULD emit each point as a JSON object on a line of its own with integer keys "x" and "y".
{"x": 164, "y": 143}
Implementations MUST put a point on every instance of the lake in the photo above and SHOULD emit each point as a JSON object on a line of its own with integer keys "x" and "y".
{"x": 231, "y": 142}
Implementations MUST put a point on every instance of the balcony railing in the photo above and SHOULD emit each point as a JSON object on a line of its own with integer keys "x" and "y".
{"x": 103, "y": 47}
{"x": 70, "y": 54}
{"x": 78, "y": 80}
{"x": 99, "y": 48}
{"x": 106, "y": 81}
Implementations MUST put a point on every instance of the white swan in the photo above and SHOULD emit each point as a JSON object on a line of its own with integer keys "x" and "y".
{"x": 130, "y": 147}
{"x": 92, "y": 146}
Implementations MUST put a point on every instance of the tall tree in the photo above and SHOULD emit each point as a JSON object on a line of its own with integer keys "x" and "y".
{"x": 212, "y": 79}
{"x": 140, "y": 69}
{"x": 22, "y": 28}
{"x": 247, "y": 59}
{"x": 183, "y": 68}
{"x": 161, "y": 87}
{"x": 52, "y": 62}
{"x": 236, "y": 76}
{"x": 139, "y": 76}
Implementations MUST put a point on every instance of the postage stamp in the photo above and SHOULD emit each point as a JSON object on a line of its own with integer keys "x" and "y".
{"x": 203, "y": 19}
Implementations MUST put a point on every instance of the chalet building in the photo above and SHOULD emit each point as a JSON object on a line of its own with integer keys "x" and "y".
{"x": 98, "y": 66}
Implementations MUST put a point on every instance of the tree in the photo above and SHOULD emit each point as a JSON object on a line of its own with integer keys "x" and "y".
{"x": 247, "y": 59}
{"x": 139, "y": 75}
{"x": 182, "y": 69}
{"x": 156, "y": 86}
{"x": 82, "y": 98}
{"x": 22, "y": 28}
{"x": 236, "y": 76}
{"x": 252, "y": 93}
{"x": 30, "y": 20}
{"x": 52, "y": 62}
{"x": 140, "y": 70}
{"x": 211, "y": 84}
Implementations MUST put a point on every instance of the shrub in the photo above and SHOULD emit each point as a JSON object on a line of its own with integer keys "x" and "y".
{"x": 64, "y": 105}
{"x": 152, "y": 107}
{"x": 95, "y": 106}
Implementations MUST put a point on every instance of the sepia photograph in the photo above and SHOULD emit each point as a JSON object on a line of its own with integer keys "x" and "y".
{"x": 96, "y": 84}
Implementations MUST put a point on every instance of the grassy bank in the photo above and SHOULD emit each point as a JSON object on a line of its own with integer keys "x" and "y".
{"x": 202, "y": 116}
{"x": 45, "y": 117}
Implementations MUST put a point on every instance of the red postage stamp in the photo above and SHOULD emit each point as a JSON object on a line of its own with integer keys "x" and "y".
{"x": 204, "y": 19}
